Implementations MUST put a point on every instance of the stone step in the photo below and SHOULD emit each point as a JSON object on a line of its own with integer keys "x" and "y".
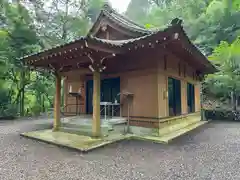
{"x": 88, "y": 120}
{"x": 119, "y": 128}
{"x": 82, "y": 131}
{"x": 117, "y": 120}
{"x": 173, "y": 120}
{"x": 83, "y": 126}
{"x": 174, "y": 125}
{"x": 170, "y": 136}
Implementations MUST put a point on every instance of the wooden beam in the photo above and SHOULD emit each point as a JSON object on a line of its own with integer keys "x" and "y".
{"x": 96, "y": 125}
{"x": 173, "y": 49}
{"x": 58, "y": 51}
{"x": 74, "y": 67}
{"x": 78, "y": 71}
{"x": 57, "y": 104}
{"x": 107, "y": 48}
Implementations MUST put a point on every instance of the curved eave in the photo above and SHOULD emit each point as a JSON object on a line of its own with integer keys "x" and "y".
{"x": 210, "y": 68}
{"x": 49, "y": 51}
{"x": 78, "y": 47}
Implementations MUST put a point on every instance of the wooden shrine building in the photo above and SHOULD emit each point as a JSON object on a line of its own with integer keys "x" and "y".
{"x": 160, "y": 70}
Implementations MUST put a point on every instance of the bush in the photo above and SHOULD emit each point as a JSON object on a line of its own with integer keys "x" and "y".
{"x": 220, "y": 114}
{"x": 8, "y": 111}
{"x": 36, "y": 110}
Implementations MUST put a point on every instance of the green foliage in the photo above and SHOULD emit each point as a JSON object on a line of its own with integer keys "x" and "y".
{"x": 222, "y": 114}
{"x": 27, "y": 27}
{"x": 61, "y": 21}
{"x": 35, "y": 110}
{"x": 93, "y": 8}
{"x": 236, "y": 4}
{"x": 137, "y": 10}
{"x": 149, "y": 26}
{"x": 213, "y": 25}
{"x": 227, "y": 57}
{"x": 207, "y": 22}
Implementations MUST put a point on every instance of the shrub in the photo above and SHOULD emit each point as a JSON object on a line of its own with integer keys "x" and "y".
{"x": 220, "y": 114}
{"x": 36, "y": 110}
{"x": 8, "y": 111}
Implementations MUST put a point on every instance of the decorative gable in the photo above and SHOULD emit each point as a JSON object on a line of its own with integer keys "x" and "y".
{"x": 112, "y": 25}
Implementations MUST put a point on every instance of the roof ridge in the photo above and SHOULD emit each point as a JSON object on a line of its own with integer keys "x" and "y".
{"x": 108, "y": 8}
{"x": 119, "y": 19}
{"x": 122, "y": 23}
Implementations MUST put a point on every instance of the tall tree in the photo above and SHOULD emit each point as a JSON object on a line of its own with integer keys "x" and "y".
{"x": 137, "y": 9}
{"x": 206, "y": 21}
{"x": 60, "y": 21}
{"x": 227, "y": 57}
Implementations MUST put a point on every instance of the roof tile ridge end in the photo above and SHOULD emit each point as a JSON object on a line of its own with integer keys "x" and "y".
{"x": 138, "y": 29}
{"x": 110, "y": 10}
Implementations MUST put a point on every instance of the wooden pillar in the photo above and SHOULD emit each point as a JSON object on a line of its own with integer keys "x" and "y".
{"x": 197, "y": 97}
{"x": 97, "y": 67}
{"x": 57, "y": 103}
{"x": 96, "y": 126}
{"x": 162, "y": 89}
{"x": 184, "y": 97}
{"x": 65, "y": 85}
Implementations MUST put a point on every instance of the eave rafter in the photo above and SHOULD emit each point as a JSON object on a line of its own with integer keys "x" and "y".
{"x": 158, "y": 40}
{"x": 103, "y": 46}
{"x": 191, "y": 52}
{"x": 74, "y": 55}
{"x": 55, "y": 55}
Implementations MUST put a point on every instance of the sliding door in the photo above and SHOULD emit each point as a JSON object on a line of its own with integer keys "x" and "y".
{"x": 110, "y": 89}
{"x": 190, "y": 98}
{"x": 174, "y": 97}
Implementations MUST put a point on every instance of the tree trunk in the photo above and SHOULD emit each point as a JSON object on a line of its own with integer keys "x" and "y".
{"x": 203, "y": 117}
{"x": 22, "y": 100}
{"x": 22, "y": 93}
{"x": 234, "y": 101}
{"x": 43, "y": 106}
{"x": 49, "y": 100}
{"x": 237, "y": 101}
{"x": 62, "y": 93}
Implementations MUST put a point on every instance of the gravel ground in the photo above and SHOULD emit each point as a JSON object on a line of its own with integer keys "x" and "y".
{"x": 210, "y": 152}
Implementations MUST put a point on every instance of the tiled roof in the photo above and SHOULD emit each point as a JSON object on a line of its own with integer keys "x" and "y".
{"x": 86, "y": 39}
{"x": 121, "y": 46}
{"x": 121, "y": 20}
{"x": 124, "y": 20}
{"x": 83, "y": 39}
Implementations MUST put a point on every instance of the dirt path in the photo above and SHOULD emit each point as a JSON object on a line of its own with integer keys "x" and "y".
{"x": 211, "y": 152}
